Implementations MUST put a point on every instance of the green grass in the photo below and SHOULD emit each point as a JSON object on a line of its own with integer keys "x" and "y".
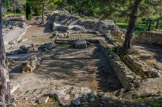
{"x": 12, "y": 14}
{"x": 138, "y": 28}
{"x": 157, "y": 103}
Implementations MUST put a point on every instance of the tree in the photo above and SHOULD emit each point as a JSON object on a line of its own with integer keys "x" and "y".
{"x": 28, "y": 11}
{"x": 4, "y": 79}
{"x": 133, "y": 18}
{"x": 43, "y": 4}
{"x": 132, "y": 9}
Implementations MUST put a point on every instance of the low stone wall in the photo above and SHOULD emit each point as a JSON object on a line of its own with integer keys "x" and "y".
{"x": 149, "y": 37}
{"x": 139, "y": 68}
{"x": 125, "y": 75}
{"x": 16, "y": 18}
{"x": 66, "y": 22}
{"x": 32, "y": 63}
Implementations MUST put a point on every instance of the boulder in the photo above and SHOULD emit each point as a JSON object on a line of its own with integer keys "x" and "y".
{"x": 80, "y": 44}
{"x": 47, "y": 46}
{"x": 31, "y": 64}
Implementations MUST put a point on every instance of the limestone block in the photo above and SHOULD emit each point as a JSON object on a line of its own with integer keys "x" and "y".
{"x": 32, "y": 63}
{"x": 81, "y": 44}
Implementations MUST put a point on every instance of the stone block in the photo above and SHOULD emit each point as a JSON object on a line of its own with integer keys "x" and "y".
{"x": 80, "y": 44}
{"x": 31, "y": 64}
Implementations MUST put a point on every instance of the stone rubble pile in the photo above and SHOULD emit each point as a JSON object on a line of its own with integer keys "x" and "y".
{"x": 23, "y": 49}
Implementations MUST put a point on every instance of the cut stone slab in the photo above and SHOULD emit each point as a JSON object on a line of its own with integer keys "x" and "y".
{"x": 14, "y": 87}
{"x": 80, "y": 44}
{"x": 43, "y": 100}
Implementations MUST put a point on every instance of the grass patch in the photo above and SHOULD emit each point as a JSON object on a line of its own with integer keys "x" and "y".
{"x": 138, "y": 28}
{"x": 157, "y": 103}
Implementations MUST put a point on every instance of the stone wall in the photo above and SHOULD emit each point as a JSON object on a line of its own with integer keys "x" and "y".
{"x": 69, "y": 22}
{"x": 139, "y": 68}
{"x": 125, "y": 75}
{"x": 149, "y": 37}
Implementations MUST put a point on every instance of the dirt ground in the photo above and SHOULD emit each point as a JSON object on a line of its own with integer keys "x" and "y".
{"x": 36, "y": 34}
{"x": 150, "y": 56}
{"x": 65, "y": 65}
{"x": 77, "y": 67}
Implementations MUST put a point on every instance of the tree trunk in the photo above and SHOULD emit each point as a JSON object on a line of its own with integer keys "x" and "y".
{"x": 157, "y": 23}
{"x": 4, "y": 79}
{"x": 133, "y": 18}
{"x": 14, "y": 9}
{"x": 149, "y": 27}
{"x": 43, "y": 14}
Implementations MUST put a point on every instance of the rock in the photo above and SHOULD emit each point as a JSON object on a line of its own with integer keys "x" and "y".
{"x": 62, "y": 28}
{"x": 75, "y": 102}
{"x": 142, "y": 104}
{"x": 31, "y": 64}
{"x": 43, "y": 100}
{"x": 24, "y": 49}
{"x": 77, "y": 28}
{"x": 110, "y": 101}
{"x": 84, "y": 97}
{"x": 92, "y": 99}
{"x": 13, "y": 88}
{"x": 100, "y": 94}
{"x": 79, "y": 90}
{"x": 47, "y": 46}
{"x": 85, "y": 103}
{"x": 125, "y": 106}
{"x": 80, "y": 44}
{"x": 67, "y": 97}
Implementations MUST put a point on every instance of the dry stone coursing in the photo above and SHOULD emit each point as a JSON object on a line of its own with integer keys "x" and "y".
{"x": 149, "y": 37}
{"x": 24, "y": 49}
{"x": 139, "y": 68}
{"x": 125, "y": 75}
{"x": 69, "y": 20}
{"x": 16, "y": 18}
{"x": 31, "y": 64}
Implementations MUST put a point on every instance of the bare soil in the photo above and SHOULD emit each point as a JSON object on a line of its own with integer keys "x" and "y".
{"x": 150, "y": 56}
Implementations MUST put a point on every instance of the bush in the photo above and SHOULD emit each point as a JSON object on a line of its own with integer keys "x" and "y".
{"x": 38, "y": 11}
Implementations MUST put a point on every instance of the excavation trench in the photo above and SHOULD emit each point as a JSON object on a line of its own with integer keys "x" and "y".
{"x": 66, "y": 66}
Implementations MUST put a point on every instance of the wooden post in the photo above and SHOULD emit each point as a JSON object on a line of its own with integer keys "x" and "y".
{"x": 157, "y": 24}
{"x": 149, "y": 27}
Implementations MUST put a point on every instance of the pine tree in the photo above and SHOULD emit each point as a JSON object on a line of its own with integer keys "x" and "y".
{"x": 28, "y": 11}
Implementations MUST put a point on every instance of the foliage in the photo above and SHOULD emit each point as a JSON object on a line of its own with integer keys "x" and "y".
{"x": 37, "y": 11}
{"x": 28, "y": 12}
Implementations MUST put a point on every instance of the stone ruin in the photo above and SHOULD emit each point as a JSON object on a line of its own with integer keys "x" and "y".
{"x": 65, "y": 25}
{"x": 149, "y": 37}
{"x": 15, "y": 18}
{"x": 31, "y": 63}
